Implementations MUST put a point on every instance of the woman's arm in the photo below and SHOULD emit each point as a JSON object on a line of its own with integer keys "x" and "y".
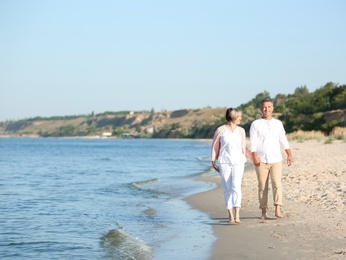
{"x": 245, "y": 150}
{"x": 215, "y": 148}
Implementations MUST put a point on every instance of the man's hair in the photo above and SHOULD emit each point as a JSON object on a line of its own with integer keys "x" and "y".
{"x": 267, "y": 100}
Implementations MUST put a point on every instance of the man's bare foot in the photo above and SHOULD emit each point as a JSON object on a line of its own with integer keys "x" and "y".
{"x": 278, "y": 215}
{"x": 231, "y": 221}
{"x": 237, "y": 221}
{"x": 264, "y": 216}
{"x": 278, "y": 212}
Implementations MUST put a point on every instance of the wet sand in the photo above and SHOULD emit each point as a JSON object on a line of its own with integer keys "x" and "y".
{"x": 314, "y": 223}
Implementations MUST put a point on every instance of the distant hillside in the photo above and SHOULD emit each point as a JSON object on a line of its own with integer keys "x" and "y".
{"x": 321, "y": 110}
{"x": 185, "y": 123}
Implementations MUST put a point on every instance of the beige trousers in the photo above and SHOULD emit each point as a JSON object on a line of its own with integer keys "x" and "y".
{"x": 274, "y": 171}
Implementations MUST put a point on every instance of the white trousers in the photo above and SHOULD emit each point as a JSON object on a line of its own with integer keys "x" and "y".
{"x": 232, "y": 176}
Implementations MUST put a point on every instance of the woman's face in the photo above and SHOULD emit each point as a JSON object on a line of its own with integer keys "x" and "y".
{"x": 237, "y": 120}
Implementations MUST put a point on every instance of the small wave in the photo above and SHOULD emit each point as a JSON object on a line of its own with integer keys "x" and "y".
{"x": 139, "y": 184}
{"x": 121, "y": 245}
{"x": 208, "y": 171}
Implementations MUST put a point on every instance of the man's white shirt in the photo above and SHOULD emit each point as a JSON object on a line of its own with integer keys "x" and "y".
{"x": 265, "y": 139}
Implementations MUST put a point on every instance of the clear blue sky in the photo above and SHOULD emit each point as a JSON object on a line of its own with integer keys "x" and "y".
{"x": 72, "y": 57}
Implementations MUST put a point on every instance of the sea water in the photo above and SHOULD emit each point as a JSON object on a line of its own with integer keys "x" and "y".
{"x": 102, "y": 199}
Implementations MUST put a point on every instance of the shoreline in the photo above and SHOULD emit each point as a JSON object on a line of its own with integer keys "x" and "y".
{"x": 314, "y": 209}
{"x": 248, "y": 240}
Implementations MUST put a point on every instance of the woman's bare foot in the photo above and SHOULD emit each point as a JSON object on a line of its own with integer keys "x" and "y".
{"x": 231, "y": 216}
{"x": 237, "y": 212}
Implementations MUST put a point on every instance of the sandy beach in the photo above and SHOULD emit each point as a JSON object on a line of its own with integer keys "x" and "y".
{"x": 314, "y": 223}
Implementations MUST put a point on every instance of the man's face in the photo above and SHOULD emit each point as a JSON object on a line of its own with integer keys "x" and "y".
{"x": 267, "y": 109}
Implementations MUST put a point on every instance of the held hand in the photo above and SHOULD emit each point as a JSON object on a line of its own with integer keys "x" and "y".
{"x": 257, "y": 161}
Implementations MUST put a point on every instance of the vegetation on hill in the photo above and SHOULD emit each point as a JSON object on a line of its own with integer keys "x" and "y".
{"x": 321, "y": 110}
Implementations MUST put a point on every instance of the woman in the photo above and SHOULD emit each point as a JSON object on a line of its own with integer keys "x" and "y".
{"x": 229, "y": 150}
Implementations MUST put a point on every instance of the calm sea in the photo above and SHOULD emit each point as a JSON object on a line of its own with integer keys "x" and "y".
{"x": 102, "y": 199}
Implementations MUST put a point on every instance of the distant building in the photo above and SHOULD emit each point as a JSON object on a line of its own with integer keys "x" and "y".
{"x": 150, "y": 130}
{"x": 127, "y": 135}
{"x": 106, "y": 134}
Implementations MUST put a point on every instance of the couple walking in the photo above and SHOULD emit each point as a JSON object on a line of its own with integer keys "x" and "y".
{"x": 229, "y": 153}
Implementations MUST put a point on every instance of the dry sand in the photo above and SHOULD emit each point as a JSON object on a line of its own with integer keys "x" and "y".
{"x": 314, "y": 223}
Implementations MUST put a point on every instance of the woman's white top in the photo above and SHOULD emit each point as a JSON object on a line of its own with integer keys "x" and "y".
{"x": 229, "y": 147}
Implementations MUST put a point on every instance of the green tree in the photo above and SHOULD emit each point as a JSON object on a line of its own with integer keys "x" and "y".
{"x": 301, "y": 91}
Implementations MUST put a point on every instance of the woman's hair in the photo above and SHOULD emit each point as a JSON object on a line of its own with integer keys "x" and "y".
{"x": 232, "y": 113}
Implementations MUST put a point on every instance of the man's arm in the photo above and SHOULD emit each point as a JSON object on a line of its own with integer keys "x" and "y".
{"x": 289, "y": 157}
{"x": 256, "y": 160}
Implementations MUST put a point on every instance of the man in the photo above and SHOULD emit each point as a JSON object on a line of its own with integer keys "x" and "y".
{"x": 266, "y": 134}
